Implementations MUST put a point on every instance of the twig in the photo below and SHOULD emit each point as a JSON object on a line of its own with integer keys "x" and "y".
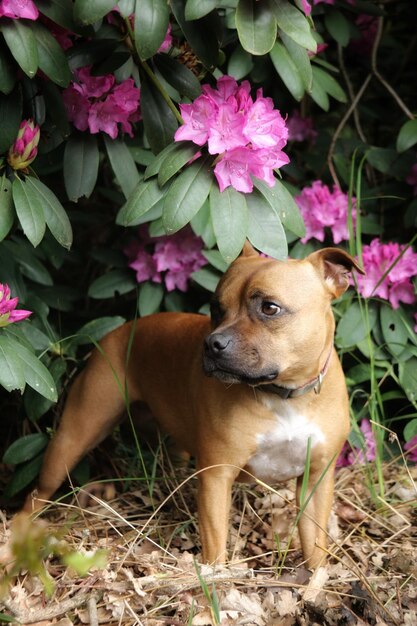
{"x": 30, "y": 617}
{"x": 351, "y": 93}
{"x": 342, "y": 125}
{"x": 92, "y": 611}
{"x": 381, "y": 79}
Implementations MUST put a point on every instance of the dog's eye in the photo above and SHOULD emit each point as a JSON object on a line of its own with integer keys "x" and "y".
{"x": 270, "y": 308}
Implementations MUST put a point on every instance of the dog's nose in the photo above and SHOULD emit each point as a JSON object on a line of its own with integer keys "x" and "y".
{"x": 217, "y": 343}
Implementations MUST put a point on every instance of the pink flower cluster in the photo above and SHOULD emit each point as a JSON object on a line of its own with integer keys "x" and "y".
{"x": 351, "y": 455}
{"x": 25, "y": 148}
{"x": 411, "y": 446}
{"x": 98, "y": 103}
{"x": 321, "y": 209}
{"x": 396, "y": 286}
{"x": 307, "y": 6}
{"x": 8, "y": 313}
{"x": 300, "y": 128}
{"x": 170, "y": 259}
{"x": 15, "y": 9}
{"x": 247, "y": 135}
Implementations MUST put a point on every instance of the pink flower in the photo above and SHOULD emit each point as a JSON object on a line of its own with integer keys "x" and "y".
{"x": 8, "y": 313}
{"x": 234, "y": 169}
{"x": 300, "y": 128}
{"x": 368, "y": 26}
{"x": 396, "y": 287}
{"x": 248, "y": 136}
{"x": 412, "y": 178}
{"x": 25, "y": 148}
{"x": 351, "y": 455}
{"x": 167, "y": 43}
{"x": 321, "y": 209}
{"x": 98, "y": 103}
{"x": 18, "y": 8}
{"x": 412, "y": 446}
{"x": 197, "y": 121}
{"x": 170, "y": 258}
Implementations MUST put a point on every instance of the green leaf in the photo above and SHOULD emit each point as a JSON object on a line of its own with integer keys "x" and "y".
{"x": 22, "y": 44}
{"x": 159, "y": 121}
{"x": 97, "y": 329}
{"x": 179, "y": 76}
{"x": 123, "y": 165}
{"x": 143, "y": 199}
{"x": 287, "y": 70}
{"x": 7, "y": 70}
{"x": 216, "y": 260}
{"x": 29, "y": 210}
{"x": 352, "y": 327}
{"x": 294, "y": 24}
{"x": 90, "y": 11}
{"x": 151, "y": 23}
{"x": 150, "y": 298}
{"x": 174, "y": 161}
{"x": 52, "y": 59}
{"x": 256, "y": 26}
{"x": 81, "y": 160}
{"x": 300, "y": 58}
{"x": 382, "y": 159}
{"x": 319, "y": 95}
{"x": 6, "y": 207}
{"x": 54, "y": 213}
{"x": 23, "y": 476}
{"x": 207, "y": 278}
{"x": 194, "y": 9}
{"x": 393, "y": 329}
{"x": 408, "y": 378}
{"x": 328, "y": 84}
{"x": 229, "y": 214}
{"x": 91, "y": 52}
{"x": 283, "y": 204}
{"x": 186, "y": 195}
{"x": 10, "y": 118}
{"x": 156, "y": 163}
{"x": 25, "y": 448}
{"x": 110, "y": 284}
{"x": 410, "y": 430}
{"x": 36, "y": 374}
{"x": 338, "y": 26}
{"x": 59, "y": 11}
{"x": 240, "y": 63}
{"x": 11, "y": 370}
{"x": 407, "y": 136}
{"x": 82, "y": 563}
{"x": 203, "y": 34}
{"x": 265, "y": 230}
{"x": 29, "y": 265}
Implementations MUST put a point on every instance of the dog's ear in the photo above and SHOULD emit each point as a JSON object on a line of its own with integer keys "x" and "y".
{"x": 334, "y": 265}
{"x": 248, "y": 249}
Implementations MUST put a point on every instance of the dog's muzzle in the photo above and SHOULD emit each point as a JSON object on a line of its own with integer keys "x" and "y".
{"x": 224, "y": 359}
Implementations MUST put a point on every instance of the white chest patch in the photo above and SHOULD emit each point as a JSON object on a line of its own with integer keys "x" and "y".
{"x": 281, "y": 452}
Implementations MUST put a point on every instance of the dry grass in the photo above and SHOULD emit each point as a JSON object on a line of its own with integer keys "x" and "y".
{"x": 152, "y": 545}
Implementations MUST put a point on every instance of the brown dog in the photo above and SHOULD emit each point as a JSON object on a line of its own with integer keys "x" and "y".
{"x": 251, "y": 392}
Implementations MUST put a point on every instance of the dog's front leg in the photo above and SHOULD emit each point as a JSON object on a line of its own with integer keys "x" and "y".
{"x": 214, "y": 501}
{"x": 315, "y": 508}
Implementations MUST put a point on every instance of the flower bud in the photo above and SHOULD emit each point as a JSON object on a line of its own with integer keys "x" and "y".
{"x": 8, "y": 312}
{"x": 25, "y": 148}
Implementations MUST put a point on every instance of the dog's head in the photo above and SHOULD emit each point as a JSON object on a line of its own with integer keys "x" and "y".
{"x": 272, "y": 320}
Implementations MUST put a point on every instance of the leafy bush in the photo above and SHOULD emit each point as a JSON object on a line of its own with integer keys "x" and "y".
{"x": 122, "y": 123}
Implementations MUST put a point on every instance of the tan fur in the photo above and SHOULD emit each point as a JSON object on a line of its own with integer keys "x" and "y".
{"x": 220, "y": 423}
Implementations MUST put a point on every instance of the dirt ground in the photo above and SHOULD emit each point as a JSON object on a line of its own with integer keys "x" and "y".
{"x": 150, "y": 574}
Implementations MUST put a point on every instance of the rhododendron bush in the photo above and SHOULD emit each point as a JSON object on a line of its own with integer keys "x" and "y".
{"x": 142, "y": 142}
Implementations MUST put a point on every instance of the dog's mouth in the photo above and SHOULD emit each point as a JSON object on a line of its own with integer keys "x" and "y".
{"x": 233, "y": 375}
